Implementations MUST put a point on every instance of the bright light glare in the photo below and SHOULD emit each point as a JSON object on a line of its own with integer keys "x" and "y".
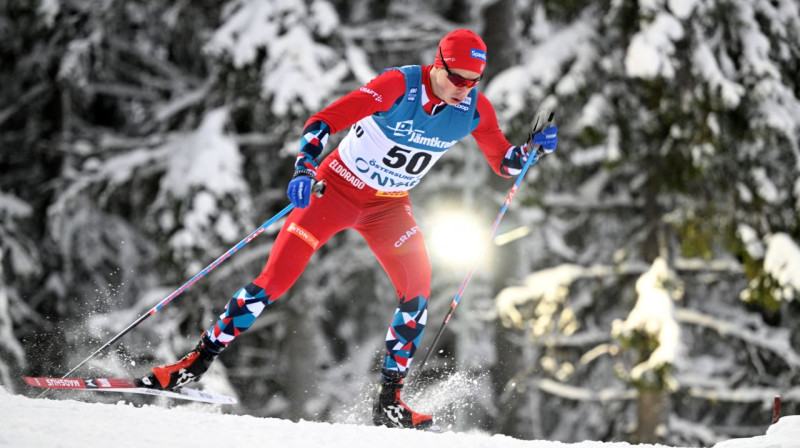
{"x": 457, "y": 238}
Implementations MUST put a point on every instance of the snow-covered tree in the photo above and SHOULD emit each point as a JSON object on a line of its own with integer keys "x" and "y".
{"x": 679, "y": 144}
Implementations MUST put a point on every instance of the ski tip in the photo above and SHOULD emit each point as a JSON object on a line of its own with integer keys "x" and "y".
{"x": 189, "y": 393}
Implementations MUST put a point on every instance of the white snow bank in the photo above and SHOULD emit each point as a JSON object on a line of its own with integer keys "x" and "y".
{"x": 783, "y": 434}
{"x": 34, "y": 423}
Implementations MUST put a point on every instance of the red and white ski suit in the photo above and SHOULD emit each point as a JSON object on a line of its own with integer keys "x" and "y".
{"x": 385, "y": 219}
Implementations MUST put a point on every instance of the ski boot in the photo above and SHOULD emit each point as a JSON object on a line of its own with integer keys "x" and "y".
{"x": 188, "y": 369}
{"x": 390, "y": 410}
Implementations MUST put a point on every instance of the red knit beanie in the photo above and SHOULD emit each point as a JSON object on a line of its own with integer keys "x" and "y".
{"x": 462, "y": 49}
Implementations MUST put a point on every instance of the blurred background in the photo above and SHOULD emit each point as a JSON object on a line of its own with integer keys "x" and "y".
{"x": 643, "y": 285}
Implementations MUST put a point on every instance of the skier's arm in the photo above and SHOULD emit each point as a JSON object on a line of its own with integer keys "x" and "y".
{"x": 490, "y": 138}
{"x": 506, "y": 159}
{"x": 378, "y": 95}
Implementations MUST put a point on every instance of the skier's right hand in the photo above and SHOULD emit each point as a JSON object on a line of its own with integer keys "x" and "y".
{"x": 299, "y": 191}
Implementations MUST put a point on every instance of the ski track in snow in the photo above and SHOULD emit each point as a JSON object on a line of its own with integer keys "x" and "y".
{"x": 45, "y": 423}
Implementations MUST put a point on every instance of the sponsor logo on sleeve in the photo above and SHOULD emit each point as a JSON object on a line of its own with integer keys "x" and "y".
{"x": 375, "y": 95}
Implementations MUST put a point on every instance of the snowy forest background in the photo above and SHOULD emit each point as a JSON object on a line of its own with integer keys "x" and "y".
{"x": 652, "y": 297}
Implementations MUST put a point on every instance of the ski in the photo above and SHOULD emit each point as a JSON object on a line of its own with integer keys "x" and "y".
{"x": 126, "y": 385}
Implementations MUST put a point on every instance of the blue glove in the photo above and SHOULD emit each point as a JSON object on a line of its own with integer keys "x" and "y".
{"x": 546, "y": 139}
{"x": 299, "y": 191}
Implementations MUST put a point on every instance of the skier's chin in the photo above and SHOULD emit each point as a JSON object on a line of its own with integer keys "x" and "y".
{"x": 455, "y": 100}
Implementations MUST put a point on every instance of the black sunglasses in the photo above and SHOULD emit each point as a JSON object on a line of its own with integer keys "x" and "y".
{"x": 458, "y": 80}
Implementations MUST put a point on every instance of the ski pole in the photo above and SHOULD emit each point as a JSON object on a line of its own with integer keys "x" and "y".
{"x": 318, "y": 189}
{"x": 532, "y": 159}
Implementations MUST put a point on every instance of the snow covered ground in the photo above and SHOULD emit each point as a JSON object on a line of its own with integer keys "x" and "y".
{"x": 35, "y": 423}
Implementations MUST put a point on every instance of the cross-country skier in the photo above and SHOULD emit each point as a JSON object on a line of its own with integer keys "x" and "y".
{"x": 402, "y": 122}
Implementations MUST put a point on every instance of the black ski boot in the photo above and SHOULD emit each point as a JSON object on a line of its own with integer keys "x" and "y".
{"x": 188, "y": 369}
{"x": 390, "y": 410}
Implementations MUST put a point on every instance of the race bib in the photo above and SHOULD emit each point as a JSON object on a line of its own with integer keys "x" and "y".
{"x": 387, "y": 164}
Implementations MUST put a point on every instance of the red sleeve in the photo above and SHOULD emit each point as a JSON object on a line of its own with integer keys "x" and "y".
{"x": 487, "y": 133}
{"x": 378, "y": 95}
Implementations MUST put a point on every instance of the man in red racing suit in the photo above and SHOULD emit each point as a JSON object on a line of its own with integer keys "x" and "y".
{"x": 402, "y": 122}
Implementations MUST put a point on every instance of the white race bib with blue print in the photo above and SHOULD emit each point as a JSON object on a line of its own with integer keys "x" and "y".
{"x": 389, "y": 165}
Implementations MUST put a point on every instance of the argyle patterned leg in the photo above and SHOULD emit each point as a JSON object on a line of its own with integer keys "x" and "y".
{"x": 405, "y": 333}
{"x": 240, "y": 313}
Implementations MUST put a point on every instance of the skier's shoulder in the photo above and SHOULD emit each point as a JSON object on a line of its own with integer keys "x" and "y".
{"x": 405, "y": 70}
{"x": 387, "y": 87}
{"x": 405, "y": 75}
{"x": 484, "y": 107}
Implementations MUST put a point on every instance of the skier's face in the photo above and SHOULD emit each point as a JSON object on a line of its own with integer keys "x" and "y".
{"x": 448, "y": 92}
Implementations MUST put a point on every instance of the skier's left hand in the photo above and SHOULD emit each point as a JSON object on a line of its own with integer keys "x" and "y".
{"x": 547, "y": 139}
{"x": 515, "y": 159}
